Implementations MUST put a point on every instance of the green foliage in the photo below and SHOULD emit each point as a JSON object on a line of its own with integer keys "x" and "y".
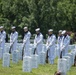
{"x": 56, "y": 14}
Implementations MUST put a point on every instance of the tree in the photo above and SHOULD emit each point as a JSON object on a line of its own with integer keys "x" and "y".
{"x": 46, "y": 14}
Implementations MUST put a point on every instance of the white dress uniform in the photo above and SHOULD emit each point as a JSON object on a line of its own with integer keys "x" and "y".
{"x": 26, "y": 43}
{"x": 2, "y": 40}
{"x": 38, "y": 43}
{"x": 59, "y": 41}
{"x": 50, "y": 45}
{"x": 14, "y": 40}
{"x": 65, "y": 44}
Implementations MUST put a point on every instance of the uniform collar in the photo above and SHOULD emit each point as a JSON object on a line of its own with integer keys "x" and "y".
{"x": 2, "y": 31}
{"x": 13, "y": 32}
{"x": 50, "y": 35}
{"x": 38, "y": 34}
{"x": 60, "y": 36}
{"x": 25, "y": 32}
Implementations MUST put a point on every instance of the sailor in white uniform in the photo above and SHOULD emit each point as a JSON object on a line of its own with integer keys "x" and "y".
{"x": 13, "y": 39}
{"x": 38, "y": 41}
{"x": 2, "y": 38}
{"x": 59, "y": 40}
{"x": 65, "y": 43}
{"x": 26, "y": 41}
{"x": 50, "y": 45}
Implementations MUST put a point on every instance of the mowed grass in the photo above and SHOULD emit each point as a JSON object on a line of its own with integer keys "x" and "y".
{"x": 47, "y": 69}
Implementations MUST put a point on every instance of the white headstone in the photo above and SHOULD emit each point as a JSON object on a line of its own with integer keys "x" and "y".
{"x": 34, "y": 61}
{"x": 15, "y": 56}
{"x": 71, "y": 58}
{"x": 42, "y": 57}
{"x": 73, "y": 54}
{"x": 68, "y": 62}
{"x": 7, "y": 49}
{"x": 27, "y": 64}
{"x": 44, "y": 48}
{"x": 20, "y": 54}
{"x": 62, "y": 66}
{"x": 71, "y": 47}
{"x": 1, "y": 54}
{"x": 6, "y": 60}
{"x": 30, "y": 52}
{"x": 55, "y": 53}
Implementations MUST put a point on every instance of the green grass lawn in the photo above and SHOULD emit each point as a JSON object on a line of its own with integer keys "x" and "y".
{"x": 47, "y": 69}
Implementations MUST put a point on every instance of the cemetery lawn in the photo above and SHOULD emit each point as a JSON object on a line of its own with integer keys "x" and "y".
{"x": 47, "y": 69}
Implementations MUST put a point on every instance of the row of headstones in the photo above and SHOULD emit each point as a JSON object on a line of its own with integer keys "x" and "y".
{"x": 19, "y": 48}
{"x": 65, "y": 63}
{"x": 35, "y": 59}
{"x": 29, "y": 62}
{"x": 6, "y": 58}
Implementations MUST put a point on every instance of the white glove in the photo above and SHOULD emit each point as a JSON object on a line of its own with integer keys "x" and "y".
{"x": 11, "y": 44}
{"x": 24, "y": 41}
{"x": 57, "y": 47}
{"x": 47, "y": 47}
{"x": 0, "y": 41}
{"x": 22, "y": 45}
{"x": 62, "y": 47}
{"x": 50, "y": 45}
{"x": 35, "y": 45}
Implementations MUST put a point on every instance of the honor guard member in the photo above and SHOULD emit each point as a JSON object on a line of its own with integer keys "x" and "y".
{"x": 26, "y": 41}
{"x": 65, "y": 43}
{"x": 2, "y": 38}
{"x": 38, "y": 41}
{"x": 50, "y": 45}
{"x": 0, "y": 46}
{"x": 13, "y": 39}
{"x": 59, "y": 42}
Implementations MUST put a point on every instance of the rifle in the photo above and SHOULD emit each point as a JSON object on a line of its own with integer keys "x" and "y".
{"x": 47, "y": 56}
{"x": 61, "y": 54}
{"x": 10, "y": 47}
{"x": 35, "y": 48}
{"x": 34, "y": 51}
{"x": 23, "y": 50}
{"x": 75, "y": 61}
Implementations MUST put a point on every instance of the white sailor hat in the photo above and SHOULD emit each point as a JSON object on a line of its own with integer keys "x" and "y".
{"x": 13, "y": 27}
{"x": 63, "y": 32}
{"x": 60, "y": 31}
{"x": 50, "y": 30}
{"x": 25, "y": 28}
{"x": 1, "y": 27}
{"x": 38, "y": 29}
